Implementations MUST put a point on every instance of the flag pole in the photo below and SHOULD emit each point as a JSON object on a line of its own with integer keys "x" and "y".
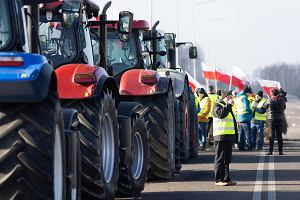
{"x": 230, "y": 84}
{"x": 216, "y": 83}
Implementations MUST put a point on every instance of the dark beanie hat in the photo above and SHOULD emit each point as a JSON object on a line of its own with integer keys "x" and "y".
{"x": 247, "y": 89}
{"x": 202, "y": 91}
{"x": 225, "y": 93}
{"x": 260, "y": 93}
{"x": 211, "y": 88}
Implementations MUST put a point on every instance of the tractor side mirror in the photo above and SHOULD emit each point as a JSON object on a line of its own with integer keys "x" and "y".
{"x": 125, "y": 25}
{"x": 70, "y": 13}
{"x": 193, "y": 53}
{"x": 170, "y": 41}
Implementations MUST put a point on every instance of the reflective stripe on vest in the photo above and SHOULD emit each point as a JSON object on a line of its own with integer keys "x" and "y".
{"x": 223, "y": 126}
{"x": 240, "y": 109}
{"x": 260, "y": 116}
{"x": 213, "y": 98}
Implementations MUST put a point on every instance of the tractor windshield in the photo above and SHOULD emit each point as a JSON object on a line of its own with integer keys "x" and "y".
{"x": 121, "y": 55}
{"x": 5, "y": 25}
{"x": 58, "y": 43}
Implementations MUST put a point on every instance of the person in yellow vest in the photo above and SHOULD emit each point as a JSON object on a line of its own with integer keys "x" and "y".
{"x": 259, "y": 107}
{"x": 234, "y": 94}
{"x": 213, "y": 98}
{"x": 204, "y": 104}
{"x": 224, "y": 132}
{"x": 244, "y": 117}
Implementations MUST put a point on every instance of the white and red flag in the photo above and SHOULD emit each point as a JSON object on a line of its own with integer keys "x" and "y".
{"x": 222, "y": 76}
{"x": 208, "y": 72}
{"x": 268, "y": 85}
{"x": 193, "y": 83}
{"x": 238, "y": 77}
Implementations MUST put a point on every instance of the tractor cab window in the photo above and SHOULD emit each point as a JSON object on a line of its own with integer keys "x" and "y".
{"x": 58, "y": 43}
{"x": 121, "y": 55}
{"x": 145, "y": 51}
{"x": 161, "y": 60}
{"x": 5, "y": 25}
{"x": 95, "y": 46}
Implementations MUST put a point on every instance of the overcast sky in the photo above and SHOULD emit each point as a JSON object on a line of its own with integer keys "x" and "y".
{"x": 245, "y": 33}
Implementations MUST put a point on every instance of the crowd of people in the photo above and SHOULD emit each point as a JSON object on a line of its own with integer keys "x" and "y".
{"x": 238, "y": 119}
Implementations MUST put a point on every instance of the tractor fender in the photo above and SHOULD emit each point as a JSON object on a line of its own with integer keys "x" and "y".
{"x": 28, "y": 90}
{"x": 178, "y": 80}
{"x": 69, "y": 115}
{"x": 132, "y": 84}
{"x": 107, "y": 82}
{"x": 126, "y": 111}
{"x": 164, "y": 85}
{"x": 69, "y": 89}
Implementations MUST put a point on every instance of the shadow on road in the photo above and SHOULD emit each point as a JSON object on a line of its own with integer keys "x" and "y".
{"x": 191, "y": 195}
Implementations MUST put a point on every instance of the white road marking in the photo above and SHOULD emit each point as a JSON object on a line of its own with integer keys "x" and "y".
{"x": 271, "y": 180}
{"x": 259, "y": 178}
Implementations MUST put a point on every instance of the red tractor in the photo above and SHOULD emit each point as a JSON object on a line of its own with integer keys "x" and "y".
{"x": 129, "y": 63}
{"x": 134, "y": 163}
{"x": 93, "y": 100}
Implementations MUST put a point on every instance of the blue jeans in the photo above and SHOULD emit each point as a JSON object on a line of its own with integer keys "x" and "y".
{"x": 202, "y": 133}
{"x": 258, "y": 128}
{"x": 246, "y": 139}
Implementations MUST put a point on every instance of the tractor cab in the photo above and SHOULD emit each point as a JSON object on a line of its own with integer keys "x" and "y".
{"x": 129, "y": 54}
{"x": 13, "y": 35}
{"x": 63, "y": 33}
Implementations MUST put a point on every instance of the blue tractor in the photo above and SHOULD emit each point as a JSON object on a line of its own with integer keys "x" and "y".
{"x": 32, "y": 141}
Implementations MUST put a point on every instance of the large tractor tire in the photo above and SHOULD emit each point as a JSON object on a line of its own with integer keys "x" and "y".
{"x": 133, "y": 174}
{"x": 161, "y": 124}
{"x": 184, "y": 125}
{"x": 177, "y": 137}
{"x": 32, "y": 151}
{"x": 99, "y": 146}
{"x": 194, "y": 131}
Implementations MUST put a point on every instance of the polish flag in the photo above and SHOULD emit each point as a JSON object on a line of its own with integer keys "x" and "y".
{"x": 268, "y": 85}
{"x": 238, "y": 78}
{"x": 193, "y": 83}
{"x": 222, "y": 77}
{"x": 208, "y": 72}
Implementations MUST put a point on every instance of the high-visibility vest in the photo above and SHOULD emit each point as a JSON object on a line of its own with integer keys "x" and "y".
{"x": 240, "y": 109}
{"x": 213, "y": 98}
{"x": 223, "y": 126}
{"x": 234, "y": 107}
{"x": 260, "y": 116}
{"x": 202, "y": 104}
{"x": 197, "y": 104}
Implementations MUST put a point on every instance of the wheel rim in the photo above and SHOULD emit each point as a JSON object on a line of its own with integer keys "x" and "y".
{"x": 108, "y": 148}
{"x": 137, "y": 155}
{"x": 58, "y": 165}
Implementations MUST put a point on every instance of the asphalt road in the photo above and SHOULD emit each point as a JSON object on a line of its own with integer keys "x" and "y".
{"x": 258, "y": 176}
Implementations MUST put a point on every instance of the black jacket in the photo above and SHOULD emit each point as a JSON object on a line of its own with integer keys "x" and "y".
{"x": 221, "y": 112}
{"x": 276, "y": 109}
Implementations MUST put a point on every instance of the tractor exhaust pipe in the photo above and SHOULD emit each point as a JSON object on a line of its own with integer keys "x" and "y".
{"x": 103, "y": 36}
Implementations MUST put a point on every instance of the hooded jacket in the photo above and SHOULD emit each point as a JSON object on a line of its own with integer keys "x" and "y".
{"x": 248, "y": 116}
